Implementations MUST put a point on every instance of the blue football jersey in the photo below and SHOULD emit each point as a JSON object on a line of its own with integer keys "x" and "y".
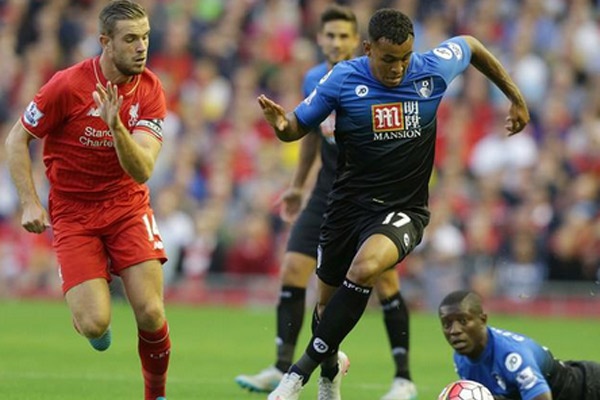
{"x": 511, "y": 365}
{"x": 329, "y": 151}
{"x": 386, "y": 135}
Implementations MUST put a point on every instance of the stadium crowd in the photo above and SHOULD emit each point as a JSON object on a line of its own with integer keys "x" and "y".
{"x": 508, "y": 214}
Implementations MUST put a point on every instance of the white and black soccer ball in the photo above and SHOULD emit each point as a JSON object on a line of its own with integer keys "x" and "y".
{"x": 465, "y": 390}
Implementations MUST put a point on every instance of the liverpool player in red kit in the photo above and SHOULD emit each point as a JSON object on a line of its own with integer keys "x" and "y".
{"x": 101, "y": 122}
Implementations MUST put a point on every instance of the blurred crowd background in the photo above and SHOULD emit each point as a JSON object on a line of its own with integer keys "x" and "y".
{"x": 510, "y": 216}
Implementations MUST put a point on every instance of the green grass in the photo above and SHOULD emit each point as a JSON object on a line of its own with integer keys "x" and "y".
{"x": 41, "y": 357}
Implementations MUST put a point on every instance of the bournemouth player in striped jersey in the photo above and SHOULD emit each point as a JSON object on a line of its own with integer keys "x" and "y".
{"x": 338, "y": 39}
{"x": 385, "y": 128}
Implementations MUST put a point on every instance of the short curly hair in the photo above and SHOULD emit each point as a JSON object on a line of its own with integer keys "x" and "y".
{"x": 390, "y": 24}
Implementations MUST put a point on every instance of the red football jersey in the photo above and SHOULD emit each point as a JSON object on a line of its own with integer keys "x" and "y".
{"x": 79, "y": 155}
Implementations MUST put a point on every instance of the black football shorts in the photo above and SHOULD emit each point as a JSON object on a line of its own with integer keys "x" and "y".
{"x": 582, "y": 381}
{"x": 347, "y": 226}
{"x": 304, "y": 235}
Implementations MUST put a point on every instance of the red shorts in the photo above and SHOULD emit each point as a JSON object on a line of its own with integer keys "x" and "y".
{"x": 97, "y": 239}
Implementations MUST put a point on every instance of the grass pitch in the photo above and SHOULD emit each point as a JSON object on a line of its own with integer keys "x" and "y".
{"x": 41, "y": 356}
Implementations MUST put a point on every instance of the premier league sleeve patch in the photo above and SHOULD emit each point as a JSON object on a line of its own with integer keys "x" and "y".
{"x": 443, "y": 52}
{"x": 527, "y": 378}
{"x": 32, "y": 115}
{"x": 456, "y": 50}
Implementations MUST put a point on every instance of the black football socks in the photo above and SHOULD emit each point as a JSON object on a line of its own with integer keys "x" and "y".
{"x": 290, "y": 315}
{"x": 396, "y": 319}
{"x": 343, "y": 311}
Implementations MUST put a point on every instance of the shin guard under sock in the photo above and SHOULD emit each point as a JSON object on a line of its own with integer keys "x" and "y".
{"x": 341, "y": 315}
{"x": 154, "y": 349}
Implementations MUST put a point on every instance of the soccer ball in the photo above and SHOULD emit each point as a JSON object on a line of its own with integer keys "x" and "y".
{"x": 465, "y": 390}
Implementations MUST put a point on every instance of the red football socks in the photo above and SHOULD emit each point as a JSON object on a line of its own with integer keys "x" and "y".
{"x": 154, "y": 349}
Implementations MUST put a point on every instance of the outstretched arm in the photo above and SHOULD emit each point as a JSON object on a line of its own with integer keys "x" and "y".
{"x": 286, "y": 125}
{"x": 490, "y": 66}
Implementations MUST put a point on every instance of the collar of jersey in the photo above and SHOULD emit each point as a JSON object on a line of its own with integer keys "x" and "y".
{"x": 126, "y": 88}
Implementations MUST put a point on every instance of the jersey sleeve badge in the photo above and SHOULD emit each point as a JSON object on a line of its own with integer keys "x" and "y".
{"x": 32, "y": 115}
{"x": 443, "y": 52}
{"x": 456, "y": 49}
{"x": 527, "y": 378}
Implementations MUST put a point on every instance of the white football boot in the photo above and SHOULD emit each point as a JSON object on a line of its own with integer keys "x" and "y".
{"x": 288, "y": 389}
{"x": 402, "y": 389}
{"x": 331, "y": 390}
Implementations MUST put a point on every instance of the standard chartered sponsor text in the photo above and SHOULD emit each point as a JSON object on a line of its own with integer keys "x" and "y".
{"x": 96, "y": 137}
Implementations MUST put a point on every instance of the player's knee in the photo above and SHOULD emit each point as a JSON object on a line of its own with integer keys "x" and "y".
{"x": 364, "y": 272}
{"x": 295, "y": 272}
{"x": 150, "y": 315}
{"x": 92, "y": 328}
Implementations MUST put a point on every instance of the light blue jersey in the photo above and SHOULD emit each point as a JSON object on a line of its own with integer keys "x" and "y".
{"x": 511, "y": 365}
{"x": 386, "y": 135}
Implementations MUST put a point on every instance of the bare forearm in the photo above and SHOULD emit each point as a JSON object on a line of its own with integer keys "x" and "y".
{"x": 19, "y": 166}
{"x": 293, "y": 129}
{"x": 490, "y": 66}
{"x": 134, "y": 159}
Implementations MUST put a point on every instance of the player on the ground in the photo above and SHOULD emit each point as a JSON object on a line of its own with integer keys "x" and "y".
{"x": 338, "y": 39}
{"x": 385, "y": 105}
{"x": 101, "y": 123}
{"x": 510, "y": 365}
